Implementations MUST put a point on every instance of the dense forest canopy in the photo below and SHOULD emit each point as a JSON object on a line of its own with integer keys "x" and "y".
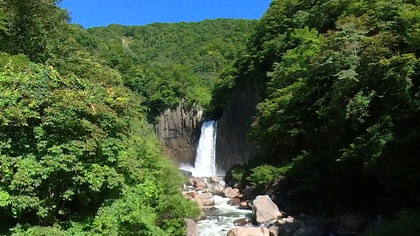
{"x": 77, "y": 155}
{"x": 167, "y": 63}
{"x": 340, "y": 101}
{"x": 338, "y": 114}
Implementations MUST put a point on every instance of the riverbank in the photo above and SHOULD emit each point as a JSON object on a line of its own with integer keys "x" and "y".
{"x": 227, "y": 211}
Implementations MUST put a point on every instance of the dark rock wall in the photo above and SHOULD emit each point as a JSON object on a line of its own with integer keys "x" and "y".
{"x": 232, "y": 146}
{"x": 178, "y": 130}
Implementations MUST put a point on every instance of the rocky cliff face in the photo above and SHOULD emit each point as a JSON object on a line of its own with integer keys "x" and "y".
{"x": 232, "y": 146}
{"x": 178, "y": 130}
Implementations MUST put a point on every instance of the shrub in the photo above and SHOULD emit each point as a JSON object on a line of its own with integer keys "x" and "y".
{"x": 264, "y": 174}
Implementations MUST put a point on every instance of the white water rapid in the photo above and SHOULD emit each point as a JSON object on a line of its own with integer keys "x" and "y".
{"x": 220, "y": 221}
{"x": 205, "y": 159}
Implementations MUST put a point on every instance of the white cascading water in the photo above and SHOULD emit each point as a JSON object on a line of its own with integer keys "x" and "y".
{"x": 220, "y": 221}
{"x": 205, "y": 160}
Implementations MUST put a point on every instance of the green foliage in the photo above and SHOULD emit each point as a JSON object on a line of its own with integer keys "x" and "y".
{"x": 169, "y": 63}
{"x": 264, "y": 174}
{"x": 339, "y": 99}
{"x": 238, "y": 173}
{"x": 35, "y": 27}
{"x": 74, "y": 150}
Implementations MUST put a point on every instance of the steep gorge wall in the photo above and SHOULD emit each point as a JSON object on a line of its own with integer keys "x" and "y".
{"x": 178, "y": 130}
{"x": 232, "y": 146}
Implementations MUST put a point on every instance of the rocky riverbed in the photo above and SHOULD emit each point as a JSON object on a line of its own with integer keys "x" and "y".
{"x": 227, "y": 212}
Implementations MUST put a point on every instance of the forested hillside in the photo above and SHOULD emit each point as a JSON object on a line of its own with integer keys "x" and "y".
{"x": 77, "y": 156}
{"x": 338, "y": 112}
{"x": 165, "y": 63}
{"x": 340, "y": 101}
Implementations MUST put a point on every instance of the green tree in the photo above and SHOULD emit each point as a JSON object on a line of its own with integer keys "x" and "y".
{"x": 36, "y": 27}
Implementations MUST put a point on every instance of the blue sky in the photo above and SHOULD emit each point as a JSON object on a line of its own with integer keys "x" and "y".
{"x": 90, "y": 13}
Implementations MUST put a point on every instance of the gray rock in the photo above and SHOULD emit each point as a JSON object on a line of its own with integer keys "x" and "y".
{"x": 200, "y": 184}
{"x": 216, "y": 185}
{"x": 178, "y": 129}
{"x": 191, "y": 228}
{"x": 249, "y": 231}
{"x": 207, "y": 199}
{"x": 231, "y": 192}
{"x": 241, "y": 222}
{"x": 274, "y": 230}
{"x": 265, "y": 210}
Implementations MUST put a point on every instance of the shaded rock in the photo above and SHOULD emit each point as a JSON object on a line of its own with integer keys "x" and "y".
{"x": 242, "y": 222}
{"x": 265, "y": 210}
{"x": 310, "y": 231}
{"x": 200, "y": 184}
{"x": 244, "y": 205}
{"x": 288, "y": 229}
{"x": 249, "y": 193}
{"x": 248, "y": 231}
{"x": 178, "y": 130}
{"x": 284, "y": 214}
{"x": 191, "y": 228}
{"x": 352, "y": 221}
{"x": 277, "y": 184}
{"x": 231, "y": 192}
{"x": 234, "y": 201}
{"x": 216, "y": 185}
{"x": 233, "y": 146}
{"x": 319, "y": 221}
{"x": 283, "y": 221}
{"x": 274, "y": 230}
{"x": 207, "y": 199}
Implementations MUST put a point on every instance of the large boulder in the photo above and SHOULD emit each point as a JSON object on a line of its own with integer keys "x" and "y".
{"x": 231, "y": 192}
{"x": 191, "y": 228}
{"x": 216, "y": 185}
{"x": 200, "y": 184}
{"x": 207, "y": 199}
{"x": 265, "y": 210}
{"x": 274, "y": 230}
{"x": 248, "y": 231}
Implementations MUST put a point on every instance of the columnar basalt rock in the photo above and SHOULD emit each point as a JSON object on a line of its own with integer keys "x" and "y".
{"x": 178, "y": 130}
{"x": 232, "y": 146}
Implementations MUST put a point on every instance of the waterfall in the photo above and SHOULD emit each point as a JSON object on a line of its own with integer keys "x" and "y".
{"x": 205, "y": 159}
